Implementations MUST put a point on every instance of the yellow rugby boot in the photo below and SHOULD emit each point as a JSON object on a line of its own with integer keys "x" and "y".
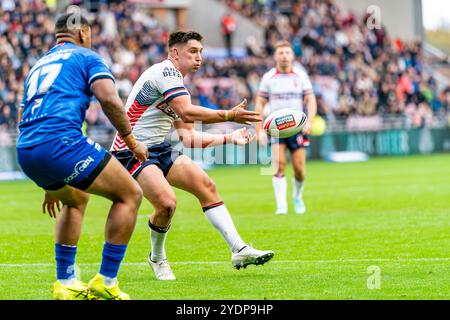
{"x": 100, "y": 291}
{"x": 75, "y": 291}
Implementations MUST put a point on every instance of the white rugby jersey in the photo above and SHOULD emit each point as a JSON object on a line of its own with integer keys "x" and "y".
{"x": 147, "y": 106}
{"x": 284, "y": 90}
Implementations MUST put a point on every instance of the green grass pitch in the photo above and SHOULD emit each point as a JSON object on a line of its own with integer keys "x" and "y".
{"x": 390, "y": 213}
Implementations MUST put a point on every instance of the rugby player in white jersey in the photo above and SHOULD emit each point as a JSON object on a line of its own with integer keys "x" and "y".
{"x": 157, "y": 102}
{"x": 287, "y": 86}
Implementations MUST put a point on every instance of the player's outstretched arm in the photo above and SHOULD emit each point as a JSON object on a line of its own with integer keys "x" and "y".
{"x": 192, "y": 138}
{"x": 105, "y": 92}
{"x": 189, "y": 113}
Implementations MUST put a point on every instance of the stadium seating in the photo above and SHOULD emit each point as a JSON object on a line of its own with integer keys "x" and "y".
{"x": 355, "y": 71}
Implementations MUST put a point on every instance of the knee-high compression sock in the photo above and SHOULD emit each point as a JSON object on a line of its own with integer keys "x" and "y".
{"x": 218, "y": 216}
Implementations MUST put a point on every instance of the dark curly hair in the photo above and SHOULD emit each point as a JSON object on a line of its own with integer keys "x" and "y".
{"x": 183, "y": 37}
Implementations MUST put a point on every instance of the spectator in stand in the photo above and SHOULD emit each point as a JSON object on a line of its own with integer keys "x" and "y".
{"x": 228, "y": 24}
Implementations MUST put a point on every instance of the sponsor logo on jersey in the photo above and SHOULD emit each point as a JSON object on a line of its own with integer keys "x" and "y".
{"x": 285, "y": 122}
{"x": 171, "y": 72}
{"x": 167, "y": 110}
{"x": 79, "y": 168}
{"x": 286, "y": 96}
{"x": 52, "y": 57}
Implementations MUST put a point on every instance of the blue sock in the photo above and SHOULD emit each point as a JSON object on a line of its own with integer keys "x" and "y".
{"x": 112, "y": 257}
{"x": 65, "y": 261}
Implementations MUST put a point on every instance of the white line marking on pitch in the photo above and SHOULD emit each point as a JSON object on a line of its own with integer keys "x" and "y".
{"x": 6, "y": 265}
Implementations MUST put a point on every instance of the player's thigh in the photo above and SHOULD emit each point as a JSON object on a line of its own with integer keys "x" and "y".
{"x": 187, "y": 175}
{"x": 278, "y": 152}
{"x": 116, "y": 184}
{"x": 298, "y": 159}
{"x": 156, "y": 188}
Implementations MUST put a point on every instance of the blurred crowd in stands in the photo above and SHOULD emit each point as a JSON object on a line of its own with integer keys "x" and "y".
{"x": 129, "y": 40}
{"x": 355, "y": 71}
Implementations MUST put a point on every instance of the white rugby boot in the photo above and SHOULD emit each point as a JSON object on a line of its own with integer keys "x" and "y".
{"x": 250, "y": 255}
{"x": 282, "y": 210}
{"x": 161, "y": 269}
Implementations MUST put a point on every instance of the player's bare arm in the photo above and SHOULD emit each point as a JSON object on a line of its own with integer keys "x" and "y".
{"x": 105, "y": 93}
{"x": 192, "y": 138}
{"x": 311, "y": 107}
{"x": 260, "y": 134}
{"x": 189, "y": 113}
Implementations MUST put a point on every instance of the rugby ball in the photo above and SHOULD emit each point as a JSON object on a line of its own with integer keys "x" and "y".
{"x": 284, "y": 123}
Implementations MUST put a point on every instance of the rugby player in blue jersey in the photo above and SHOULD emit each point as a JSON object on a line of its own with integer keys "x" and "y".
{"x": 53, "y": 152}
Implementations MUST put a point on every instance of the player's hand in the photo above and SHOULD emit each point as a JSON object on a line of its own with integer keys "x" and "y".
{"x": 50, "y": 205}
{"x": 242, "y": 105}
{"x": 262, "y": 137}
{"x": 140, "y": 151}
{"x": 241, "y": 136}
{"x": 307, "y": 128}
{"x": 239, "y": 114}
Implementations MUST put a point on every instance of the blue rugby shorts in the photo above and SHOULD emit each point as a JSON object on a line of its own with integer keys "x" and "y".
{"x": 69, "y": 160}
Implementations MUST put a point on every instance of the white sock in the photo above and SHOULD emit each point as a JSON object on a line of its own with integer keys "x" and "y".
{"x": 280, "y": 188}
{"x": 158, "y": 239}
{"x": 218, "y": 216}
{"x": 67, "y": 282}
{"x": 109, "y": 282}
{"x": 297, "y": 188}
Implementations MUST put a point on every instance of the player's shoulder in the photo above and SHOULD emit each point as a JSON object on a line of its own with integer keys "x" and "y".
{"x": 269, "y": 74}
{"x": 167, "y": 69}
{"x": 84, "y": 57}
{"x": 163, "y": 70}
{"x": 157, "y": 68}
{"x": 89, "y": 54}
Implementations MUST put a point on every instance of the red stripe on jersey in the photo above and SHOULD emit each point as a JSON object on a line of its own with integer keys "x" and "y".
{"x": 119, "y": 144}
{"x": 134, "y": 113}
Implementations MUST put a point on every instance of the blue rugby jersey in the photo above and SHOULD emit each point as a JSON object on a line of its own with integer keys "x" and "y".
{"x": 57, "y": 93}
